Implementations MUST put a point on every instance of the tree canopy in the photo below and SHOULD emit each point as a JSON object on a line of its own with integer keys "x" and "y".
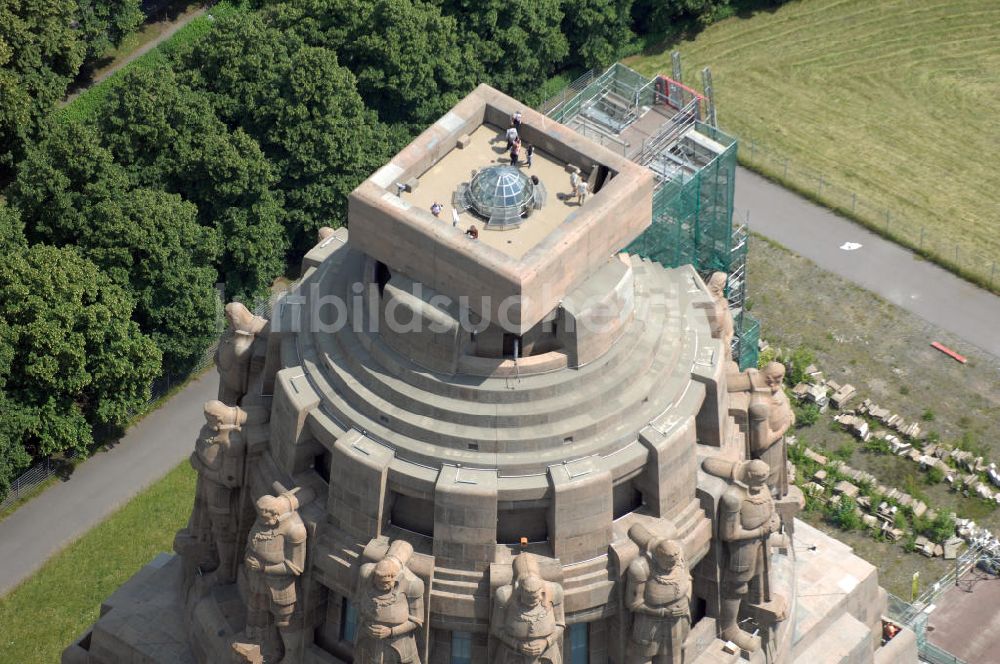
{"x": 168, "y": 137}
{"x": 70, "y": 355}
{"x": 42, "y": 48}
{"x": 519, "y": 43}
{"x": 597, "y": 30}
{"x": 73, "y": 193}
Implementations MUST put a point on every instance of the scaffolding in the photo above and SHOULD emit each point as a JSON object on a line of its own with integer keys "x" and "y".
{"x": 659, "y": 123}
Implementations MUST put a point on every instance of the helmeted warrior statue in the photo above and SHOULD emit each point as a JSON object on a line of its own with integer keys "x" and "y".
{"x": 746, "y": 520}
{"x": 658, "y": 594}
{"x": 528, "y": 618}
{"x": 390, "y": 601}
{"x": 768, "y": 438}
{"x": 209, "y": 541}
{"x": 275, "y": 557}
{"x": 721, "y": 320}
{"x": 234, "y": 353}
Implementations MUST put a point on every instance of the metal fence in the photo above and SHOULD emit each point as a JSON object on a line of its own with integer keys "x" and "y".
{"x": 46, "y": 468}
{"x": 949, "y": 249}
{"x": 914, "y": 615}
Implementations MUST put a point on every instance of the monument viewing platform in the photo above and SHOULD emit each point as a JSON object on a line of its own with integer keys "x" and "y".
{"x": 538, "y": 261}
{"x": 475, "y": 430}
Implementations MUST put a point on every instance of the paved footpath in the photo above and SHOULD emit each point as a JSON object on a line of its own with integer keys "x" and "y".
{"x": 883, "y": 267}
{"x": 67, "y": 510}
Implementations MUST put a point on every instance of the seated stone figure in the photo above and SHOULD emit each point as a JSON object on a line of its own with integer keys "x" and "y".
{"x": 390, "y": 601}
{"x": 528, "y": 618}
{"x": 658, "y": 594}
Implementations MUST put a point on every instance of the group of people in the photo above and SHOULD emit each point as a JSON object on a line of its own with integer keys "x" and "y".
{"x": 514, "y": 142}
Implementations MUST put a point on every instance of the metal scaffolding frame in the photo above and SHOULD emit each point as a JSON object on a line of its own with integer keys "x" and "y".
{"x": 664, "y": 125}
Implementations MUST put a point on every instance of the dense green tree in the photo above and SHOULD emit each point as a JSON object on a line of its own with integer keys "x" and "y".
{"x": 415, "y": 66}
{"x": 412, "y": 68}
{"x": 11, "y": 230}
{"x": 70, "y": 355}
{"x": 169, "y": 137}
{"x": 658, "y": 15}
{"x": 597, "y": 30}
{"x": 103, "y": 23}
{"x": 15, "y": 110}
{"x": 73, "y": 193}
{"x": 519, "y": 42}
{"x": 14, "y": 459}
{"x": 239, "y": 66}
{"x": 42, "y": 47}
{"x": 150, "y": 242}
{"x": 323, "y": 138}
{"x": 61, "y": 177}
{"x": 40, "y": 53}
{"x": 301, "y": 106}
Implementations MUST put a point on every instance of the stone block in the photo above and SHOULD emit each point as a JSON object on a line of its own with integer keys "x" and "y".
{"x": 581, "y": 512}
{"x": 670, "y": 477}
{"x": 358, "y": 476}
{"x": 293, "y": 399}
{"x": 465, "y": 515}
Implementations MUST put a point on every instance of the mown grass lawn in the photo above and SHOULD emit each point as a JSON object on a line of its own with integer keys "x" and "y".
{"x": 48, "y": 611}
{"x": 896, "y": 100}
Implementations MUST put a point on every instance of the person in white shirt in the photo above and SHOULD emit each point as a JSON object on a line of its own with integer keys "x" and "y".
{"x": 511, "y": 137}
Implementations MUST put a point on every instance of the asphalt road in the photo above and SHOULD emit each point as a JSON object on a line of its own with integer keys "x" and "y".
{"x": 67, "y": 510}
{"x": 878, "y": 265}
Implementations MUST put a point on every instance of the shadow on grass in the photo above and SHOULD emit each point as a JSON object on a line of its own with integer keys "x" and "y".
{"x": 687, "y": 27}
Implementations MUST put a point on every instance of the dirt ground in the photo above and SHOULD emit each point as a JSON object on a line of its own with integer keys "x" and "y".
{"x": 885, "y": 353}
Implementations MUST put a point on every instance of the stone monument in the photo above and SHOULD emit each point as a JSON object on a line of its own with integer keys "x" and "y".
{"x": 275, "y": 556}
{"x": 390, "y": 601}
{"x": 722, "y": 317}
{"x": 209, "y": 541}
{"x": 528, "y": 618}
{"x": 658, "y": 594}
{"x": 234, "y": 353}
{"x": 527, "y": 448}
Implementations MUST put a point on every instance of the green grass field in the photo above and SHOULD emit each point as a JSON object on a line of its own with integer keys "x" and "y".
{"x": 48, "y": 611}
{"x": 895, "y": 100}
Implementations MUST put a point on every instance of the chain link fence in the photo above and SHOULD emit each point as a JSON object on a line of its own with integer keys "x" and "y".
{"x": 46, "y": 468}
{"x": 950, "y": 249}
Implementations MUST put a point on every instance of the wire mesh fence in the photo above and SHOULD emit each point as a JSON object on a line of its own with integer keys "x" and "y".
{"x": 952, "y": 250}
{"x": 41, "y": 471}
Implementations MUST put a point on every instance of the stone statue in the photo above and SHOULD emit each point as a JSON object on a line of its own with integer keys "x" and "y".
{"x": 746, "y": 520}
{"x": 658, "y": 594}
{"x": 769, "y": 425}
{"x": 219, "y": 454}
{"x": 722, "y": 318}
{"x": 528, "y": 618}
{"x": 275, "y": 557}
{"x": 390, "y": 601}
{"x": 234, "y": 353}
